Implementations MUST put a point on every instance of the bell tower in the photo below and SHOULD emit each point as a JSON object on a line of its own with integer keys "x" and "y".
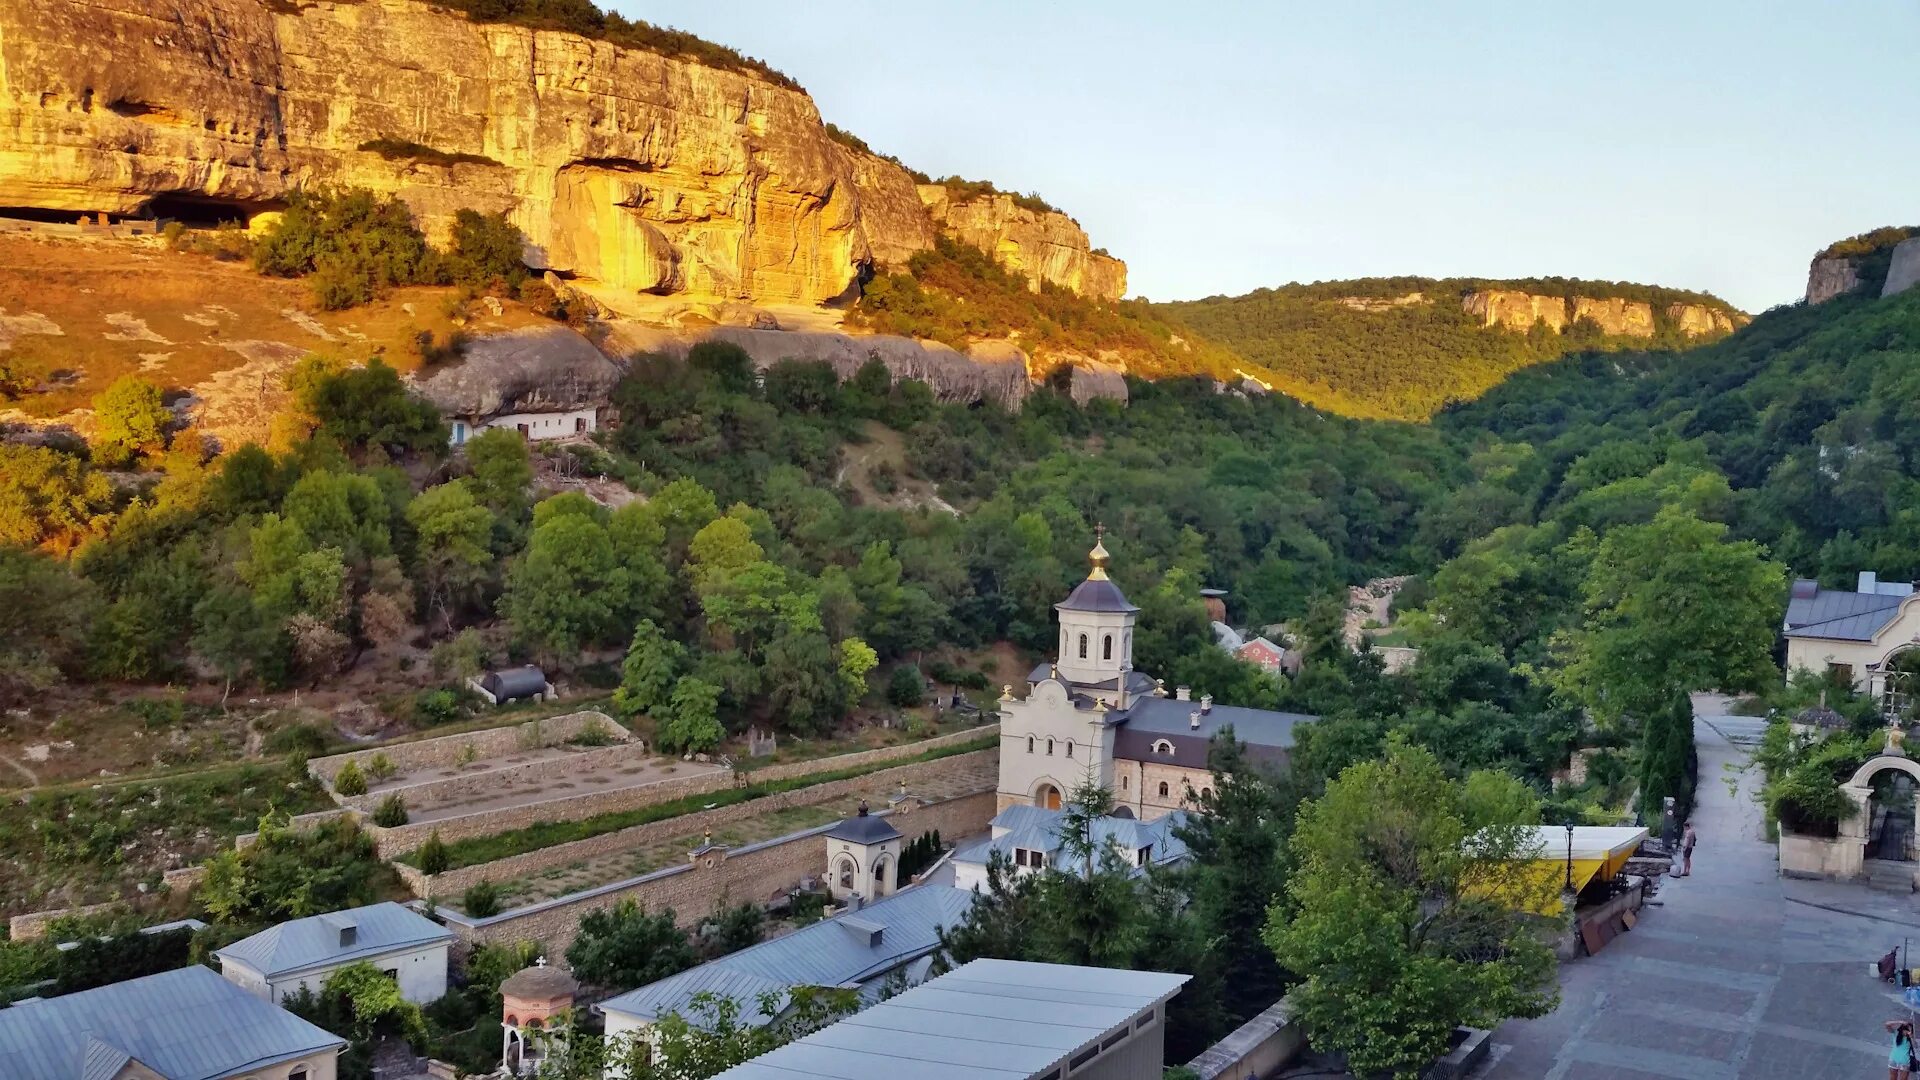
{"x": 1096, "y": 625}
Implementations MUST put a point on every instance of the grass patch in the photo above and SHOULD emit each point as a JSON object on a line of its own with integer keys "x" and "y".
{"x": 405, "y": 150}
{"x": 544, "y": 834}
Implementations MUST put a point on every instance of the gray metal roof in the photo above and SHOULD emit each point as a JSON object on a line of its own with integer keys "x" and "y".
{"x": 188, "y": 1024}
{"x": 1037, "y": 828}
{"x": 864, "y": 828}
{"x": 315, "y": 941}
{"x": 1838, "y": 615}
{"x": 826, "y": 953}
{"x": 1171, "y": 716}
{"x": 988, "y": 1019}
{"x": 1095, "y": 594}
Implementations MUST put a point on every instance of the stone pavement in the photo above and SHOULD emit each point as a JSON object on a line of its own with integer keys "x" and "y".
{"x": 1735, "y": 973}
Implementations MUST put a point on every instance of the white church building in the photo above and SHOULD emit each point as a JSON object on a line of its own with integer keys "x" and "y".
{"x": 1089, "y": 716}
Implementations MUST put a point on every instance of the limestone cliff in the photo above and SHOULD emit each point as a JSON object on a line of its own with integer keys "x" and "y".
{"x": 1614, "y": 315}
{"x": 644, "y": 172}
{"x": 1831, "y": 277}
{"x": 1043, "y": 245}
{"x": 1903, "y": 270}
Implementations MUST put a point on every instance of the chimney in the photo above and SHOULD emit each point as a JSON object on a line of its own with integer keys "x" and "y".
{"x": 1206, "y": 703}
{"x": 348, "y": 935}
{"x": 1182, "y": 693}
{"x": 1193, "y": 719}
{"x": 1126, "y": 672}
{"x": 1869, "y": 581}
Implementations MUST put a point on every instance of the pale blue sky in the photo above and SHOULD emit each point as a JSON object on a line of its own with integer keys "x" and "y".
{"x": 1221, "y": 147}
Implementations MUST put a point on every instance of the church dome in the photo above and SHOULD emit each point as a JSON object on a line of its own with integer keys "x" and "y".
{"x": 864, "y": 828}
{"x": 539, "y": 983}
{"x": 1098, "y": 593}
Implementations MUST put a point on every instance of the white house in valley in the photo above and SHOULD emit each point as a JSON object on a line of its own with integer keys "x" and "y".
{"x": 541, "y": 382}
{"x": 1030, "y": 838}
{"x": 1857, "y": 636}
{"x": 303, "y": 953}
{"x": 1089, "y": 716}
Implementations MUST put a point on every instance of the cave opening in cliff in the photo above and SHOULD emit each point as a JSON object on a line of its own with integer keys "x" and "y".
{"x": 43, "y": 215}
{"x": 204, "y": 212}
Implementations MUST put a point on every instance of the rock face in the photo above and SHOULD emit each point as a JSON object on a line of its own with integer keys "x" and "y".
{"x": 1614, "y": 315}
{"x": 1828, "y": 278}
{"x": 540, "y": 369}
{"x": 642, "y": 172}
{"x": 1903, "y": 271}
{"x": 1044, "y": 246}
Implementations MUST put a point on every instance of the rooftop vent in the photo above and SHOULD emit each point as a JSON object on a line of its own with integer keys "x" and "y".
{"x": 1193, "y": 719}
{"x": 865, "y": 931}
{"x": 1183, "y": 693}
{"x": 1206, "y": 703}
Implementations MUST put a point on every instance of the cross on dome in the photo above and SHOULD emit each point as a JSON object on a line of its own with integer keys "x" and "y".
{"x": 1098, "y": 555}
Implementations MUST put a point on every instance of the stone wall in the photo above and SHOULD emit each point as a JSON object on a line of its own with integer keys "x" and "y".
{"x": 304, "y": 821}
{"x": 33, "y": 925}
{"x": 444, "y": 751}
{"x": 1839, "y": 858}
{"x": 454, "y": 882}
{"x": 404, "y": 838}
{"x": 719, "y": 879}
{"x": 504, "y": 779}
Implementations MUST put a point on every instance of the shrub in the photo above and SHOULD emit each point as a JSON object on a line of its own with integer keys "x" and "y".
{"x": 435, "y": 707}
{"x": 289, "y": 874}
{"x": 468, "y": 754}
{"x": 593, "y": 733}
{"x": 350, "y": 780}
{"x": 905, "y": 687}
{"x": 431, "y": 858}
{"x": 354, "y": 243}
{"x": 380, "y": 766}
{"x": 391, "y": 813}
{"x": 481, "y": 900}
{"x": 296, "y": 739}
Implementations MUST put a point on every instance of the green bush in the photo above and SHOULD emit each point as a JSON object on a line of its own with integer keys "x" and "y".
{"x": 353, "y": 243}
{"x": 289, "y": 874}
{"x": 391, "y": 813}
{"x": 905, "y": 687}
{"x": 430, "y": 857}
{"x": 296, "y": 739}
{"x": 350, "y": 780}
{"x": 380, "y": 766}
{"x": 481, "y": 900}
{"x": 435, "y": 707}
{"x": 593, "y": 733}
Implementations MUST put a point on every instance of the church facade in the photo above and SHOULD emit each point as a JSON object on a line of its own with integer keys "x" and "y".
{"x": 1090, "y": 717}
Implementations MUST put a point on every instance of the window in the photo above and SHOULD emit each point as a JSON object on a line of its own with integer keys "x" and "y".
{"x": 1114, "y": 1039}
{"x": 1146, "y": 855}
{"x": 1069, "y": 747}
{"x": 1083, "y": 646}
{"x": 1163, "y": 789}
{"x": 1029, "y": 744}
{"x": 299, "y": 1073}
{"x": 1841, "y": 673}
{"x": 1144, "y": 1022}
{"x": 1123, "y": 783}
{"x": 1049, "y": 747}
{"x": 1206, "y": 793}
{"x": 1106, "y": 647}
{"x": 1083, "y": 1057}
{"x": 1163, "y": 746}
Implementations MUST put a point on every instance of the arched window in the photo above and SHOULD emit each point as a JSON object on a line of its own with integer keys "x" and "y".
{"x": 1029, "y": 744}
{"x": 300, "y": 1073}
{"x": 1123, "y": 783}
{"x": 1106, "y": 647}
{"x": 1163, "y": 789}
{"x": 880, "y": 871}
{"x": 1163, "y": 746}
{"x": 1049, "y": 747}
{"x": 1069, "y": 747}
{"x": 1083, "y": 646}
{"x": 1206, "y": 793}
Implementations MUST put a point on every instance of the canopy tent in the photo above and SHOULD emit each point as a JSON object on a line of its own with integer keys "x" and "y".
{"x": 1598, "y": 851}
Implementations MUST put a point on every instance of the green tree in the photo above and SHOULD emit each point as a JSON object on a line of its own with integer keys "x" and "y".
{"x": 49, "y": 499}
{"x": 484, "y": 247}
{"x": 804, "y": 682}
{"x": 653, "y": 665}
{"x": 555, "y": 598}
{"x": 502, "y": 471}
{"x": 44, "y": 615}
{"x": 856, "y": 660}
{"x": 625, "y": 945}
{"x": 1671, "y": 607}
{"x": 905, "y": 687}
{"x": 290, "y": 874}
{"x": 692, "y": 723}
{"x": 1403, "y": 922}
{"x": 230, "y": 635}
{"x": 713, "y": 1036}
{"x": 132, "y": 420}
{"x": 452, "y": 537}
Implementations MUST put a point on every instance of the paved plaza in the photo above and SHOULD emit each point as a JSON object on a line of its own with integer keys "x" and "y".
{"x": 1732, "y": 972}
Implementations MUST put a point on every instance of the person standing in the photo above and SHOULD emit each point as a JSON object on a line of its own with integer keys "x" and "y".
{"x": 1900, "y": 1058}
{"x": 1686, "y": 851}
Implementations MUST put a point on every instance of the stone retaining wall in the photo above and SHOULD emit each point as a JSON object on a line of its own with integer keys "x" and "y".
{"x": 298, "y": 824}
{"x": 33, "y": 925}
{"x": 454, "y": 882}
{"x": 1258, "y": 1047}
{"x": 404, "y": 838}
{"x": 718, "y": 879}
{"x": 444, "y": 751}
{"x": 431, "y": 792}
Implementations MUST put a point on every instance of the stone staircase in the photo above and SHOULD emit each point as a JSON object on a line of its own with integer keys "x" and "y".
{"x": 1888, "y": 875}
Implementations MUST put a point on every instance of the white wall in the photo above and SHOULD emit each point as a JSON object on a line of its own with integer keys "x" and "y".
{"x": 1048, "y": 713}
{"x": 422, "y": 975}
{"x": 1814, "y": 654}
{"x": 541, "y": 425}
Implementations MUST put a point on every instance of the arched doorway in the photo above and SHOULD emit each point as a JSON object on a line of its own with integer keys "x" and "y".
{"x": 1048, "y": 796}
{"x": 1890, "y": 816}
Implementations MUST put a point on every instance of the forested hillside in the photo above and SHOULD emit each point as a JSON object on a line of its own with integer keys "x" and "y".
{"x": 1403, "y": 347}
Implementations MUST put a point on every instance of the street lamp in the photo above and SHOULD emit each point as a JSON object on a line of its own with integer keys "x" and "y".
{"x": 1569, "y": 856}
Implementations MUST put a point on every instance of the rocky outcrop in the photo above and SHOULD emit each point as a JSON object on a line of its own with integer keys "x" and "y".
{"x": 1831, "y": 277}
{"x": 642, "y": 172}
{"x": 1042, "y": 245}
{"x": 1382, "y": 303}
{"x": 1516, "y": 310}
{"x": 539, "y": 369}
{"x": 1614, "y": 315}
{"x": 1903, "y": 270}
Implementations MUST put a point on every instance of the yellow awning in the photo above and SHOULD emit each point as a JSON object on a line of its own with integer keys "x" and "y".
{"x": 1597, "y": 851}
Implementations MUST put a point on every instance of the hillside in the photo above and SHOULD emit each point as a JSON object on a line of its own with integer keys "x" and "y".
{"x": 1403, "y": 347}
